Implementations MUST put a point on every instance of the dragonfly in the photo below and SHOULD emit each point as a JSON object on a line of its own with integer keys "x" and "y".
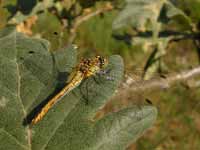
{"x": 86, "y": 68}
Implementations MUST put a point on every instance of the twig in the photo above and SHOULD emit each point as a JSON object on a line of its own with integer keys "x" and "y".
{"x": 132, "y": 86}
{"x": 197, "y": 45}
{"x": 79, "y": 20}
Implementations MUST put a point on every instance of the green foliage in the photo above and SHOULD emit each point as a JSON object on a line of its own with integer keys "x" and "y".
{"x": 40, "y": 6}
{"x": 150, "y": 19}
{"x": 98, "y": 35}
{"x": 29, "y": 74}
{"x": 193, "y": 6}
{"x": 151, "y": 11}
{"x": 47, "y": 31}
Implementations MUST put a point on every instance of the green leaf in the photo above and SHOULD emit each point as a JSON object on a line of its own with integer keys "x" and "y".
{"x": 54, "y": 25}
{"x": 62, "y": 58}
{"x": 160, "y": 45}
{"x": 16, "y": 77}
{"x": 172, "y": 11}
{"x": 149, "y": 23}
{"x": 137, "y": 13}
{"x": 151, "y": 10}
{"x": 117, "y": 130}
{"x": 97, "y": 32}
{"x": 29, "y": 75}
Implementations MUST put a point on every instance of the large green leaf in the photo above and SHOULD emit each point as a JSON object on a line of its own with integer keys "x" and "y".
{"x": 138, "y": 13}
{"x": 29, "y": 74}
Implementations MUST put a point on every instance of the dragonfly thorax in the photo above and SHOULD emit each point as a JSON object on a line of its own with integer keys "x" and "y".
{"x": 90, "y": 67}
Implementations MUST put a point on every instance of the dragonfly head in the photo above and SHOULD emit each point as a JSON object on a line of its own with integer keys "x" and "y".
{"x": 102, "y": 62}
{"x": 91, "y": 66}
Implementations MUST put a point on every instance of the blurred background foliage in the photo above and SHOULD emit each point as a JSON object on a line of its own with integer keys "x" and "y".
{"x": 153, "y": 36}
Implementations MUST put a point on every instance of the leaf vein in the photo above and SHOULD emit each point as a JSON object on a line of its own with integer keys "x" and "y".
{"x": 57, "y": 128}
{"x": 14, "y": 138}
{"x": 18, "y": 90}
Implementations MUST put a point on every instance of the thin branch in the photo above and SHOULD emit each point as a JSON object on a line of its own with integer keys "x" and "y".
{"x": 191, "y": 36}
{"x": 131, "y": 86}
{"x": 197, "y": 45}
{"x": 81, "y": 19}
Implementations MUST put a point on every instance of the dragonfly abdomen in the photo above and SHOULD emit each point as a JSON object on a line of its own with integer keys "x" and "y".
{"x": 85, "y": 69}
{"x": 76, "y": 80}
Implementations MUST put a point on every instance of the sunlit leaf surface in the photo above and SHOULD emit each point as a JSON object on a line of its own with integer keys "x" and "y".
{"x": 29, "y": 74}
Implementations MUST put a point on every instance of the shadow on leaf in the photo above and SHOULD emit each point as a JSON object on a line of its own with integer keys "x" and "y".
{"x": 61, "y": 78}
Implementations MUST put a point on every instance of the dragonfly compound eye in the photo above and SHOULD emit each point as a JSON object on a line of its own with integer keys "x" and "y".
{"x": 103, "y": 62}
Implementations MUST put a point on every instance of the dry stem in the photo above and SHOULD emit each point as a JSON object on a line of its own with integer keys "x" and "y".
{"x": 79, "y": 20}
{"x": 159, "y": 83}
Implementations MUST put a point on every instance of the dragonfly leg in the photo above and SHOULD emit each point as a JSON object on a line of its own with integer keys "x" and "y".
{"x": 86, "y": 100}
{"x": 95, "y": 79}
{"x": 85, "y": 97}
{"x": 106, "y": 74}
